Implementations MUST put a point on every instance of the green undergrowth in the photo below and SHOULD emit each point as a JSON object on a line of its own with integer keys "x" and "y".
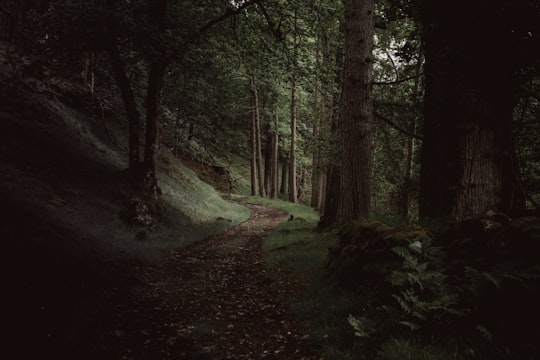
{"x": 375, "y": 291}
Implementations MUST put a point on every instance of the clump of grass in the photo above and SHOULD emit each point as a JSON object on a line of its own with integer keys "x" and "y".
{"x": 411, "y": 348}
{"x": 294, "y": 245}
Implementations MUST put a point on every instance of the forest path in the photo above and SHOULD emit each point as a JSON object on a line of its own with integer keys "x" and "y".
{"x": 215, "y": 300}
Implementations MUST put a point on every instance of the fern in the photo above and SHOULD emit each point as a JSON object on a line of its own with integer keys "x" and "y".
{"x": 361, "y": 326}
{"x": 423, "y": 293}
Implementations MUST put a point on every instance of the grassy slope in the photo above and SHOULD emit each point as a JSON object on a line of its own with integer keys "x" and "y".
{"x": 62, "y": 189}
{"x": 59, "y": 163}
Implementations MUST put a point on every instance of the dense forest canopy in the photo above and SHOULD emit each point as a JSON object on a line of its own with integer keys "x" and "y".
{"x": 450, "y": 117}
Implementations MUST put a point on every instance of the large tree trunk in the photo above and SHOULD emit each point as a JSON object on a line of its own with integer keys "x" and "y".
{"x": 357, "y": 111}
{"x": 467, "y": 158}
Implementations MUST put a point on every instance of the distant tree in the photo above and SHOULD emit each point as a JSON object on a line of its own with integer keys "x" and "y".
{"x": 257, "y": 159}
{"x": 293, "y": 193}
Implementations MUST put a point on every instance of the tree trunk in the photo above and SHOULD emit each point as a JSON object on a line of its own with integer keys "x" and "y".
{"x": 157, "y": 12}
{"x": 275, "y": 160}
{"x": 332, "y": 191}
{"x": 404, "y": 198}
{"x": 130, "y": 105}
{"x": 357, "y": 111}
{"x": 284, "y": 170}
{"x": 468, "y": 164}
{"x": 268, "y": 163}
{"x": 258, "y": 150}
{"x": 254, "y": 175}
{"x": 322, "y": 193}
{"x": 318, "y": 109}
{"x": 292, "y": 163}
{"x": 153, "y": 114}
{"x": 316, "y": 171}
{"x": 275, "y": 166}
{"x": 292, "y": 156}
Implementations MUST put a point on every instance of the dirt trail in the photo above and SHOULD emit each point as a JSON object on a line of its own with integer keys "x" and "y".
{"x": 213, "y": 300}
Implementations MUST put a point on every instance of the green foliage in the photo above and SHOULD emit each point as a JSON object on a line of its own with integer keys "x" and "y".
{"x": 423, "y": 293}
{"x": 411, "y": 349}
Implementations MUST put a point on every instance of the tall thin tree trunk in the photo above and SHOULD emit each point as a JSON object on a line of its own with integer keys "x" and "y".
{"x": 404, "y": 197}
{"x": 275, "y": 160}
{"x": 157, "y": 12}
{"x": 258, "y": 150}
{"x": 357, "y": 111}
{"x": 153, "y": 114}
{"x": 283, "y": 189}
{"x": 322, "y": 193}
{"x": 292, "y": 164}
{"x": 318, "y": 109}
{"x": 268, "y": 162}
{"x": 130, "y": 105}
{"x": 253, "y": 141}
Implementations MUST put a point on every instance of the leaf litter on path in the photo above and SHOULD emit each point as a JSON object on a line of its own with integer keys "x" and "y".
{"x": 215, "y": 300}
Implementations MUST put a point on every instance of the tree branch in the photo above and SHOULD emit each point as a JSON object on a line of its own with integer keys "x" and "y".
{"x": 398, "y": 81}
{"x": 397, "y": 127}
{"x": 195, "y": 36}
{"x": 275, "y": 30}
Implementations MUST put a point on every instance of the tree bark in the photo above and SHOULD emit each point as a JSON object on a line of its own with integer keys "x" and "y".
{"x": 275, "y": 166}
{"x": 332, "y": 192}
{"x": 357, "y": 111}
{"x": 404, "y": 198}
{"x": 284, "y": 185}
{"x": 130, "y": 105}
{"x": 292, "y": 157}
{"x": 468, "y": 161}
{"x": 158, "y": 62}
{"x": 262, "y": 189}
{"x": 254, "y": 175}
{"x": 153, "y": 115}
{"x": 275, "y": 159}
{"x": 258, "y": 150}
{"x": 292, "y": 162}
{"x": 268, "y": 162}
